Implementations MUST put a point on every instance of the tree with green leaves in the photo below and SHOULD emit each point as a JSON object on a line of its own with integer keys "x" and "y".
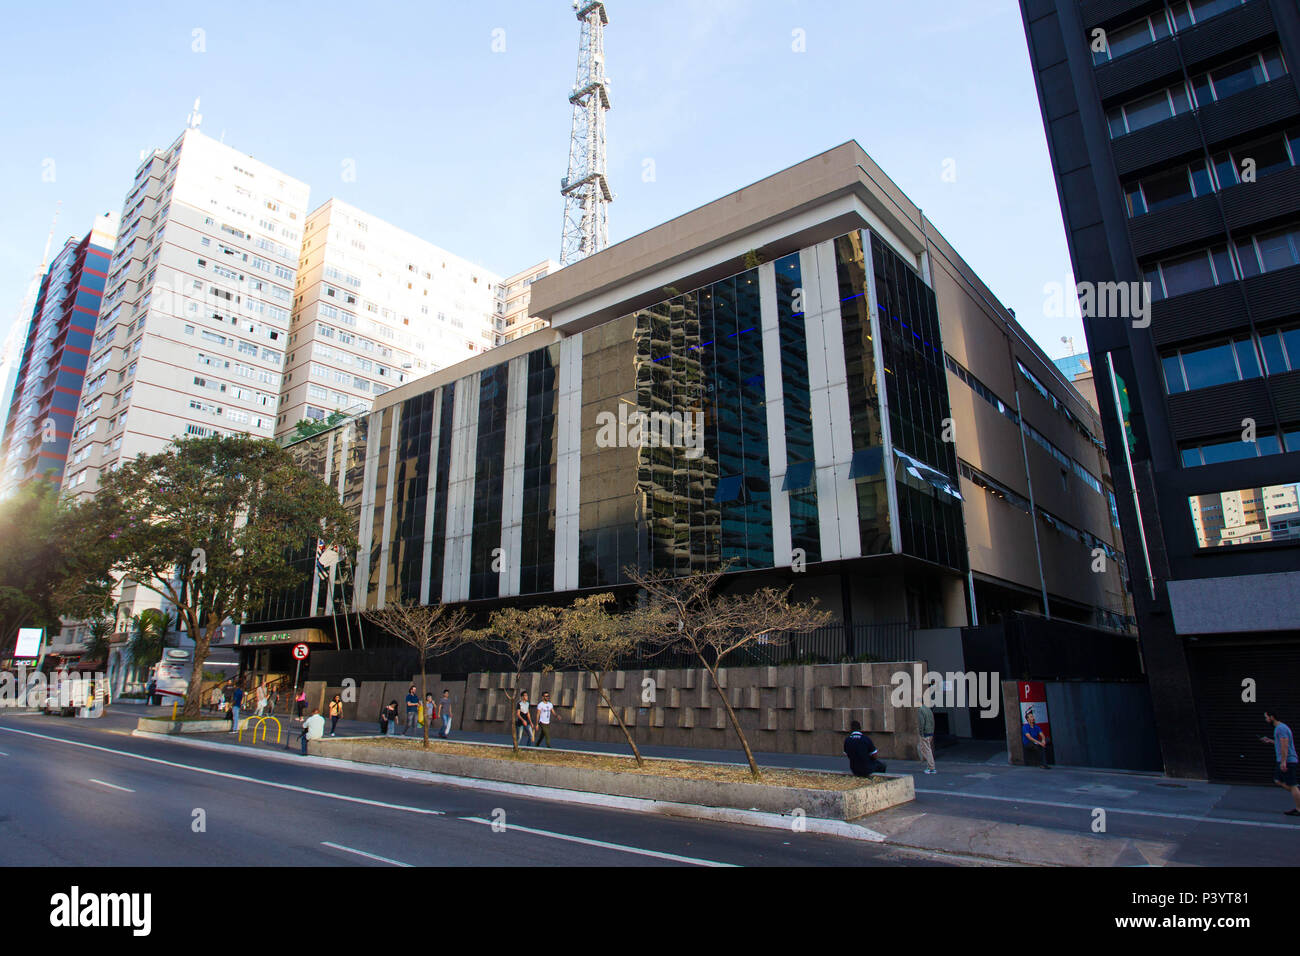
{"x": 431, "y": 629}
{"x": 690, "y": 614}
{"x": 149, "y": 631}
{"x": 306, "y": 428}
{"x": 524, "y": 637}
{"x": 210, "y": 524}
{"x": 595, "y": 638}
{"x": 43, "y": 568}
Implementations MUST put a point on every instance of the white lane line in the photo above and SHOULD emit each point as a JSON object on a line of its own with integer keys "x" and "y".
{"x": 1137, "y": 813}
{"x": 585, "y": 841}
{"x": 105, "y": 783}
{"x": 230, "y": 776}
{"x": 368, "y": 856}
{"x": 3, "y": 754}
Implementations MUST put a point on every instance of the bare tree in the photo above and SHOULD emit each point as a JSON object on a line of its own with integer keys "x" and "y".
{"x": 431, "y": 629}
{"x": 523, "y": 636}
{"x": 594, "y": 639}
{"x": 688, "y": 614}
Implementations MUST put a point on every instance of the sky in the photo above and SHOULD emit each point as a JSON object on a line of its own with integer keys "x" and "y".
{"x": 451, "y": 119}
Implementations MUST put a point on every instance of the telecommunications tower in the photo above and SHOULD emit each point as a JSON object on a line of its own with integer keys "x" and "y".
{"x": 586, "y": 189}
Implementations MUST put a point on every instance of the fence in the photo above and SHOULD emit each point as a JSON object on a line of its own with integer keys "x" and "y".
{"x": 832, "y": 644}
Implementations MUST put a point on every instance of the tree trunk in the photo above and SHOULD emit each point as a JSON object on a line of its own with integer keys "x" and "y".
{"x": 600, "y": 686}
{"x": 510, "y": 721}
{"x": 424, "y": 691}
{"x": 202, "y": 643}
{"x": 735, "y": 722}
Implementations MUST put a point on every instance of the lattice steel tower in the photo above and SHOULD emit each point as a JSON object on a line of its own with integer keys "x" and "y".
{"x": 586, "y": 189}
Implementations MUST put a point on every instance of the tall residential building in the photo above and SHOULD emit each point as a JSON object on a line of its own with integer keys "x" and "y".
{"x": 1174, "y": 131}
{"x": 517, "y": 293}
{"x": 375, "y": 307}
{"x": 193, "y": 327}
{"x": 54, "y": 352}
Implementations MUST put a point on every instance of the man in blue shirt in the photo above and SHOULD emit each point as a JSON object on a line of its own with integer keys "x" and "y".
{"x": 412, "y": 711}
{"x": 1035, "y": 740}
{"x": 1284, "y": 772}
{"x": 236, "y": 702}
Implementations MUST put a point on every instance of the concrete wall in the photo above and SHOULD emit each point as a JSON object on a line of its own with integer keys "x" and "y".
{"x": 795, "y": 709}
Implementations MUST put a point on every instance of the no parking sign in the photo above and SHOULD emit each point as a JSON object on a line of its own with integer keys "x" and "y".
{"x": 300, "y": 652}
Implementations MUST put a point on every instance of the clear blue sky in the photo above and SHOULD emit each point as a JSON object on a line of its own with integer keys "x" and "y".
{"x": 466, "y": 147}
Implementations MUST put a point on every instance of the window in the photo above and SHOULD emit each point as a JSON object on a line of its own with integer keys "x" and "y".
{"x": 1260, "y": 157}
{"x": 1133, "y": 36}
{"x": 1281, "y": 350}
{"x": 1238, "y": 76}
{"x": 1168, "y": 188}
{"x": 1148, "y": 110}
{"x": 1230, "y": 449}
{"x": 1189, "y": 272}
{"x": 1266, "y": 252}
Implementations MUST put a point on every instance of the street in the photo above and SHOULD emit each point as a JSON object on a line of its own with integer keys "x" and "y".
{"x": 76, "y": 796}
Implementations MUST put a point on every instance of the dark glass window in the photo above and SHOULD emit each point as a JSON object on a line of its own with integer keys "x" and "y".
{"x": 489, "y": 477}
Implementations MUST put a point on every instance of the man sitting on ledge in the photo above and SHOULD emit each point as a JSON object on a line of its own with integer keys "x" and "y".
{"x": 861, "y": 752}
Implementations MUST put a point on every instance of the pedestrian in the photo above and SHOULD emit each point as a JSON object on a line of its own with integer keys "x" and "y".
{"x": 444, "y": 711}
{"x": 1284, "y": 774}
{"x": 313, "y": 728}
{"x": 302, "y": 702}
{"x": 261, "y": 700}
{"x": 1035, "y": 739}
{"x": 925, "y": 736}
{"x": 861, "y": 752}
{"x": 544, "y": 710}
{"x": 336, "y": 711}
{"x": 383, "y": 720}
{"x": 236, "y": 702}
{"x": 523, "y": 720}
{"x": 392, "y": 718}
{"x": 152, "y": 691}
{"x": 412, "y": 710}
{"x": 215, "y": 698}
{"x": 430, "y": 711}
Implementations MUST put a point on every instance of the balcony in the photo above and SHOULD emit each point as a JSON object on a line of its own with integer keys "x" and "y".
{"x": 1270, "y": 197}
{"x": 1196, "y": 221}
{"x": 1220, "y": 410}
{"x": 1220, "y": 309}
{"x": 1096, "y": 13}
{"x": 1157, "y": 145}
{"x": 1263, "y": 106}
{"x": 1226, "y": 33}
{"x": 1146, "y": 68}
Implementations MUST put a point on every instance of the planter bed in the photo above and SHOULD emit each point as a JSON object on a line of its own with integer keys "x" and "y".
{"x": 834, "y": 796}
{"x": 165, "y": 725}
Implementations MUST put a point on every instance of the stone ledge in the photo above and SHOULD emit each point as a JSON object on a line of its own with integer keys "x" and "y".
{"x": 887, "y": 790}
{"x": 164, "y": 725}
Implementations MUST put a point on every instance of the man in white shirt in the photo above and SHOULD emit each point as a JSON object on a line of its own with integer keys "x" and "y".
{"x": 313, "y": 728}
{"x": 544, "y": 710}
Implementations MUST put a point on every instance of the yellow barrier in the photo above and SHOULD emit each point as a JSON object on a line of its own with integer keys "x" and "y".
{"x": 261, "y": 725}
{"x": 175, "y": 704}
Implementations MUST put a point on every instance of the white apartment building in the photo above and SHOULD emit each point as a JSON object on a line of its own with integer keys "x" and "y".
{"x": 195, "y": 318}
{"x": 374, "y": 307}
{"x": 517, "y": 293}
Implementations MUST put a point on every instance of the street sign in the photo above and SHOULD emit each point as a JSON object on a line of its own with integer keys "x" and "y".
{"x": 300, "y": 652}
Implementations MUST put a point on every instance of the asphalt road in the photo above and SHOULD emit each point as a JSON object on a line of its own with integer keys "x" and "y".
{"x": 78, "y": 797}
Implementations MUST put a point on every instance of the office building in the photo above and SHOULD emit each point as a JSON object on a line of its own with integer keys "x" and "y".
{"x": 1174, "y": 132}
{"x": 856, "y": 416}
{"x": 54, "y": 353}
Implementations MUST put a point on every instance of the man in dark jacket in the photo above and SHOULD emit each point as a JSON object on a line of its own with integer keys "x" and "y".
{"x": 861, "y": 752}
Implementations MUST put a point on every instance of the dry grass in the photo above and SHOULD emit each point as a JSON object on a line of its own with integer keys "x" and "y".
{"x": 654, "y": 766}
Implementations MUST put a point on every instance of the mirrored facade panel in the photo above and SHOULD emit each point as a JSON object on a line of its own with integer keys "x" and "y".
{"x": 797, "y": 405}
{"x": 1246, "y": 516}
{"x": 410, "y": 498}
{"x": 537, "y": 560}
{"x": 485, "y": 556}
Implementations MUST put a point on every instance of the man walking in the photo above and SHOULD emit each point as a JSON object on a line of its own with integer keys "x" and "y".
{"x": 925, "y": 736}
{"x": 861, "y": 752}
{"x": 523, "y": 720}
{"x": 444, "y": 712}
{"x": 412, "y": 711}
{"x": 236, "y": 701}
{"x": 544, "y": 710}
{"x": 313, "y": 728}
{"x": 1284, "y": 774}
{"x": 1035, "y": 739}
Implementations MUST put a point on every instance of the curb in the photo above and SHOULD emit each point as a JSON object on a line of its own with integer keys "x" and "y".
{"x": 838, "y": 828}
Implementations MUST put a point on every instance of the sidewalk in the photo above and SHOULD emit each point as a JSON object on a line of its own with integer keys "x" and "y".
{"x": 978, "y": 804}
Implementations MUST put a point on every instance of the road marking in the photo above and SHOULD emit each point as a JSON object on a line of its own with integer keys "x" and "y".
{"x": 229, "y": 776}
{"x": 1227, "y": 821}
{"x": 105, "y": 783}
{"x": 368, "y": 856}
{"x": 585, "y": 841}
